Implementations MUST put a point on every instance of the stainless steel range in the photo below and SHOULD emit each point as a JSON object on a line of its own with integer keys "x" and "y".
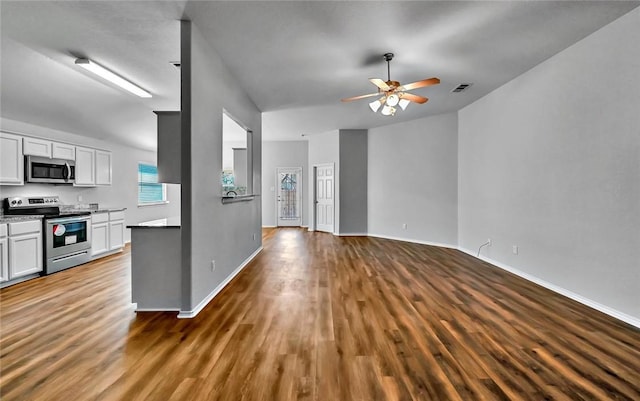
{"x": 67, "y": 234}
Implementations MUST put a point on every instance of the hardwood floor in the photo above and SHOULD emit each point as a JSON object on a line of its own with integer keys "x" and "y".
{"x": 317, "y": 317}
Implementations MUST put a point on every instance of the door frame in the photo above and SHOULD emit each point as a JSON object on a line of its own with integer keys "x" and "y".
{"x": 301, "y": 188}
{"x": 312, "y": 217}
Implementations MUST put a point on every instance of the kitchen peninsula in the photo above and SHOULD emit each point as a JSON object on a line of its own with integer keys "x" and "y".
{"x": 156, "y": 254}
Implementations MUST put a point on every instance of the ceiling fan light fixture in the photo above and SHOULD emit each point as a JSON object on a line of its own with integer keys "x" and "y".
{"x": 111, "y": 77}
{"x": 375, "y": 105}
{"x": 394, "y": 94}
{"x": 388, "y": 110}
{"x": 392, "y": 100}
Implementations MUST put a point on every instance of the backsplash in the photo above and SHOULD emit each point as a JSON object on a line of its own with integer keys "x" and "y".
{"x": 69, "y": 195}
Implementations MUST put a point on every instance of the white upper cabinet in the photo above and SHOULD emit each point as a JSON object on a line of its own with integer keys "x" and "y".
{"x": 85, "y": 167}
{"x": 63, "y": 151}
{"x": 45, "y": 148}
{"x": 11, "y": 160}
{"x": 93, "y": 166}
{"x": 103, "y": 167}
{"x": 37, "y": 147}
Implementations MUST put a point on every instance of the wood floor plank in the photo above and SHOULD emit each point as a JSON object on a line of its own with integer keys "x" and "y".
{"x": 316, "y": 318}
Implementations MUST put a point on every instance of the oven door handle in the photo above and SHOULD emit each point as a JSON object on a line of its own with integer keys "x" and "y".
{"x": 68, "y": 220}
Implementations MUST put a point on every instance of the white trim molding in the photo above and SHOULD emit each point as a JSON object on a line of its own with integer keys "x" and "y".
{"x": 351, "y": 235}
{"x": 415, "y": 241}
{"x": 193, "y": 312}
{"x": 559, "y": 290}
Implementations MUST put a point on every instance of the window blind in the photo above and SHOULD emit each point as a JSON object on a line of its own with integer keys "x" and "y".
{"x": 149, "y": 190}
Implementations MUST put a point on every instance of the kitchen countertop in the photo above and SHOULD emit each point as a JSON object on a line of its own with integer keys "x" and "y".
{"x": 17, "y": 218}
{"x": 108, "y": 209}
{"x": 169, "y": 222}
{"x": 87, "y": 209}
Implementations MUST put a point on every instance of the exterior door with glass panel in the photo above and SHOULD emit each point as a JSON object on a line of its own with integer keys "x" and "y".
{"x": 324, "y": 200}
{"x": 289, "y": 197}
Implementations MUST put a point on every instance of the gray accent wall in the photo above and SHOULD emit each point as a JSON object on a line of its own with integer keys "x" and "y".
{"x": 353, "y": 181}
{"x": 283, "y": 154}
{"x": 412, "y": 176}
{"x": 212, "y": 230}
{"x": 550, "y": 163}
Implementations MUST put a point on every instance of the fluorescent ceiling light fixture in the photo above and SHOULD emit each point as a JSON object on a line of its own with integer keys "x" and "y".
{"x": 111, "y": 77}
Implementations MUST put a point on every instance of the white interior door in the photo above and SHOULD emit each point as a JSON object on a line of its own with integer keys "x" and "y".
{"x": 324, "y": 183}
{"x": 289, "y": 196}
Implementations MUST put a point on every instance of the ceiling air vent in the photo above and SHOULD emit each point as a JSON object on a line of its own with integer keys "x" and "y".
{"x": 461, "y": 88}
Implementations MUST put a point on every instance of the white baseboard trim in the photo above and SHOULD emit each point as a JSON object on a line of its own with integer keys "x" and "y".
{"x": 352, "y": 235}
{"x": 269, "y": 226}
{"x": 440, "y": 244}
{"x": 192, "y": 313}
{"x": 157, "y": 309}
{"x": 560, "y": 290}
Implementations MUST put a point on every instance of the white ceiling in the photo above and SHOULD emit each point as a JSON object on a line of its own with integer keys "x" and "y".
{"x": 296, "y": 60}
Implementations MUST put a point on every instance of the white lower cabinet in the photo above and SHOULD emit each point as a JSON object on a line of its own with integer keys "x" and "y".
{"x": 116, "y": 234}
{"x": 99, "y": 238}
{"x": 107, "y": 232}
{"x": 25, "y": 248}
{"x": 4, "y": 254}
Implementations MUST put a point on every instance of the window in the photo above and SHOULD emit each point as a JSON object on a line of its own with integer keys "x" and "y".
{"x": 150, "y": 192}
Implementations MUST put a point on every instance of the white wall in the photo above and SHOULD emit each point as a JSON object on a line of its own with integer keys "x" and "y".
{"x": 283, "y": 154}
{"x": 325, "y": 148}
{"x": 550, "y": 162}
{"x": 124, "y": 189}
{"x": 413, "y": 170}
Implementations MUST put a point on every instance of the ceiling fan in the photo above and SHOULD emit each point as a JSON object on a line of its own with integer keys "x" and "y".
{"x": 394, "y": 94}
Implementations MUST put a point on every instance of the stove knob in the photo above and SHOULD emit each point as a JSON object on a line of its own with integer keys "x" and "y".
{"x": 13, "y": 202}
{"x": 20, "y": 202}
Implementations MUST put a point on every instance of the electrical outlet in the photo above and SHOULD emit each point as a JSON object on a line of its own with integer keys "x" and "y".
{"x": 515, "y": 249}
{"x": 404, "y": 226}
{"x": 213, "y": 265}
{"x": 79, "y": 198}
{"x": 254, "y": 236}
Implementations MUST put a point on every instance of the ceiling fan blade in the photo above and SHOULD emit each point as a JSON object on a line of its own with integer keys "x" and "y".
{"x": 380, "y": 84}
{"x": 349, "y": 99}
{"x": 414, "y": 98}
{"x": 419, "y": 84}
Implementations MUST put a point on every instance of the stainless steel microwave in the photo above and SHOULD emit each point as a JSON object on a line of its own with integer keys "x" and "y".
{"x": 51, "y": 171}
